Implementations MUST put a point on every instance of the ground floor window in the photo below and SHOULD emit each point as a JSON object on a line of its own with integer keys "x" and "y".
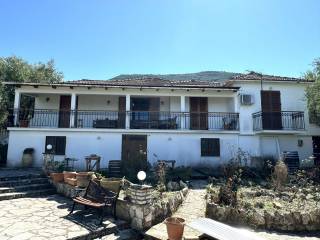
{"x": 210, "y": 147}
{"x": 58, "y": 144}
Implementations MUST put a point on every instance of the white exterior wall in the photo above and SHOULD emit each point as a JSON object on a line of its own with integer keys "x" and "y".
{"x": 182, "y": 147}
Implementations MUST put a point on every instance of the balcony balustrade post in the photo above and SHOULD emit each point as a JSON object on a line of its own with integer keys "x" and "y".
{"x": 128, "y": 104}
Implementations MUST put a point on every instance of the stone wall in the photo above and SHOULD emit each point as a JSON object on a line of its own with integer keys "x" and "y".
{"x": 271, "y": 220}
{"x": 142, "y": 217}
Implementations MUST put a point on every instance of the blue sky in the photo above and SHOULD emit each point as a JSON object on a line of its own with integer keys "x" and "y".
{"x": 99, "y": 39}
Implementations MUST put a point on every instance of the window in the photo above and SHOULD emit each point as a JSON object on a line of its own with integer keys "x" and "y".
{"x": 58, "y": 144}
{"x": 210, "y": 147}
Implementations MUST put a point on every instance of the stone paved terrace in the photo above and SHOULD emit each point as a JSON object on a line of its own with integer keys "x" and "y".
{"x": 46, "y": 218}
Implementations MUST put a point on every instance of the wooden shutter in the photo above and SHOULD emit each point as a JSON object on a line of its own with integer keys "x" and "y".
{"x": 271, "y": 110}
{"x": 122, "y": 112}
{"x": 58, "y": 144}
{"x": 203, "y": 113}
{"x": 199, "y": 113}
{"x": 64, "y": 111}
{"x": 154, "y": 108}
{"x": 210, "y": 147}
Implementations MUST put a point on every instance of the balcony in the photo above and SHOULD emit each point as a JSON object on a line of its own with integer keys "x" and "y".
{"x": 46, "y": 118}
{"x": 278, "y": 121}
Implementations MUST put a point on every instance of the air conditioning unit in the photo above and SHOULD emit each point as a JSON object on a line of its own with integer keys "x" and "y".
{"x": 246, "y": 99}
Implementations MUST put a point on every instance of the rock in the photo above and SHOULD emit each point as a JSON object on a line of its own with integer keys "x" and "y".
{"x": 309, "y": 196}
{"x": 277, "y": 205}
{"x": 263, "y": 183}
{"x": 258, "y": 219}
{"x": 173, "y": 186}
{"x": 182, "y": 184}
{"x": 259, "y": 205}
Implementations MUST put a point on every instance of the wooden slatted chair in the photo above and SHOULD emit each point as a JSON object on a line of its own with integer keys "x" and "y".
{"x": 97, "y": 197}
{"x": 114, "y": 168}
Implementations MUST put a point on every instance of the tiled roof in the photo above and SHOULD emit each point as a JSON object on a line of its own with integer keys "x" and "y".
{"x": 258, "y": 76}
{"x": 152, "y": 82}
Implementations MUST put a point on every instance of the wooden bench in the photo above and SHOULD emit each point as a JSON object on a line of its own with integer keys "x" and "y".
{"x": 97, "y": 197}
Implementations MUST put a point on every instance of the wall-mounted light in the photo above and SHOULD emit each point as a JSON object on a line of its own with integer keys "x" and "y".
{"x": 47, "y": 99}
{"x": 108, "y": 102}
{"x": 300, "y": 142}
{"x": 162, "y": 102}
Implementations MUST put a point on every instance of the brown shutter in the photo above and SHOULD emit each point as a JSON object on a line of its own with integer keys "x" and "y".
{"x": 64, "y": 111}
{"x": 154, "y": 109}
{"x": 122, "y": 112}
{"x": 203, "y": 113}
{"x": 271, "y": 110}
{"x": 199, "y": 113}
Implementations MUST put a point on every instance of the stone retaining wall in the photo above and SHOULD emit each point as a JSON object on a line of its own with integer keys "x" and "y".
{"x": 270, "y": 220}
{"x": 142, "y": 217}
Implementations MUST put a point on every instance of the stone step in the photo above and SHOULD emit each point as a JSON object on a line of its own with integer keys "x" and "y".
{"x": 33, "y": 193}
{"x": 21, "y": 177}
{"x": 25, "y": 188}
{"x": 15, "y": 182}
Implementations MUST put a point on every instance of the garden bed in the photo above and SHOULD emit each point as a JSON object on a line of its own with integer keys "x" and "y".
{"x": 292, "y": 209}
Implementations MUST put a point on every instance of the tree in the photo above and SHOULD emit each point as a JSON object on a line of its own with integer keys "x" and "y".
{"x": 313, "y": 92}
{"x": 15, "y": 69}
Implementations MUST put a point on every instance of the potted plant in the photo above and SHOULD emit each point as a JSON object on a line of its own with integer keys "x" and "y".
{"x": 27, "y": 157}
{"x": 175, "y": 227}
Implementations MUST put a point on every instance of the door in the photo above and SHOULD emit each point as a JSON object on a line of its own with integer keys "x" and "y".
{"x": 64, "y": 111}
{"x": 316, "y": 149}
{"x": 122, "y": 112}
{"x": 271, "y": 110}
{"x": 134, "y": 155}
{"x": 198, "y": 113}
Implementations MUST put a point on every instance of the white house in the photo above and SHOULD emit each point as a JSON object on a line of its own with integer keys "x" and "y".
{"x": 192, "y": 121}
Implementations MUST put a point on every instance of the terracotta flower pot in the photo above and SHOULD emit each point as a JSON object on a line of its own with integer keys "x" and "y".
{"x": 67, "y": 174}
{"x": 57, "y": 177}
{"x": 175, "y": 228}
{"x": 71, "y": 181}
{"x": 83, "y": 179}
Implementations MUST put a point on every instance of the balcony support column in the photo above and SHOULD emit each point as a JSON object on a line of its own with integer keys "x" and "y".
{"x": 16, "y": 107}
{"x": 236, "y": 103}
{"x": 73, "y": 109}
{"x": 183, "y": 110}
{"x": 128, "y": 104}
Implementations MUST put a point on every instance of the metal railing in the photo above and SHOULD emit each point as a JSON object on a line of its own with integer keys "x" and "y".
{"x": 284, "y": 120}
{"x": 47, "y": 118}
